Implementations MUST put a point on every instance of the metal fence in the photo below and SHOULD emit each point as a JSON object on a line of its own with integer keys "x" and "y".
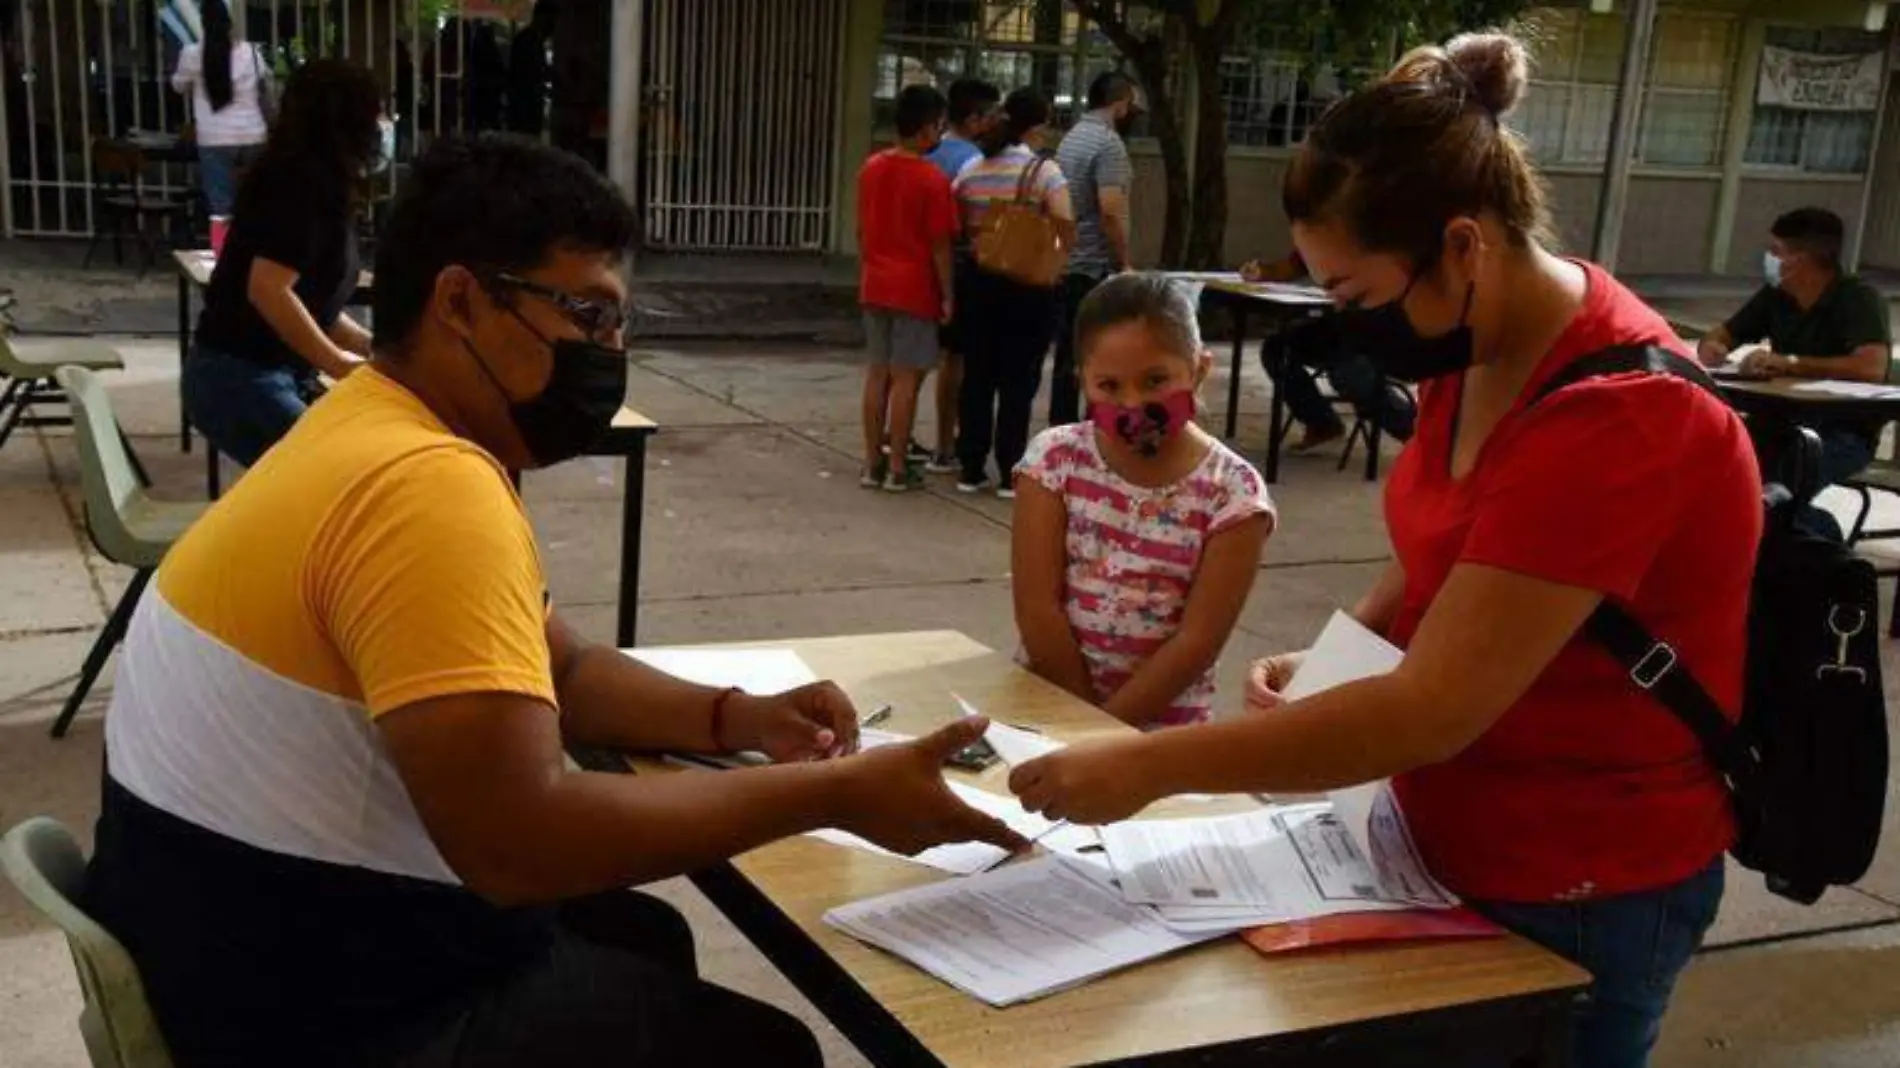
{"x": 741, "y": 135}
{"x": 75, "y": 71}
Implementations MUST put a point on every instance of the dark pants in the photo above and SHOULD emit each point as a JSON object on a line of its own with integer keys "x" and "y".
{"x": 241, "y": 407}
{"x": 1005, "y": 329}
{"x": 1634, "y": 946}
{"x": 1296, "y": 355}
{"x": 1065, "y": 386}
{"x": 619, "y": 987}
{"x": 1844, "y": 454}
{"x": 218, "y": 169}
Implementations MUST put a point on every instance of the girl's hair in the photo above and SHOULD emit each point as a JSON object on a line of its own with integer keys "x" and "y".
{"x": 215, "y": 53}
{"x": 1393, "y": 163}
{"x": 1148, "y": 297}
{"x": 1023, "y": 110}
{"x": 326, "y": 133}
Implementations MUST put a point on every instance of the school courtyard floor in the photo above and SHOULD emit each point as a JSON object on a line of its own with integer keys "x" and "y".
{"x": 756, "y": 528}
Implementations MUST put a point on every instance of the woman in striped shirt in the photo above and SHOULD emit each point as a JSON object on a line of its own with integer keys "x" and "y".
{"x": 1137, "y": 533}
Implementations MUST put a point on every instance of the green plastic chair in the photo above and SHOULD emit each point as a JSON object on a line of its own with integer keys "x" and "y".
{"x": 30, "y": 379}
{"x": 127, "y": 525}
{"x": 41, "y": 858}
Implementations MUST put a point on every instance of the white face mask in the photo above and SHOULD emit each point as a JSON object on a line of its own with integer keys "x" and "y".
{"x": 1771, "y": 268}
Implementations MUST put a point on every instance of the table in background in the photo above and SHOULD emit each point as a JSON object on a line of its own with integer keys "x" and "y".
{"x": 1779, "y": 399}
{"x": 1418, "y": 1004}
{"x": 626, "y": 437}
{"x": 1281, "y": 301}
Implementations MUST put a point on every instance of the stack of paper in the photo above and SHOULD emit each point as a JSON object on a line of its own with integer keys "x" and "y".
{"x": 1859, "y": 390}
{"x": 1015, "y": 934}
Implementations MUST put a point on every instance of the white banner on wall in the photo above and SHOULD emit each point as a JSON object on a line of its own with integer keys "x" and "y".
{"x": 1812, "y": 82}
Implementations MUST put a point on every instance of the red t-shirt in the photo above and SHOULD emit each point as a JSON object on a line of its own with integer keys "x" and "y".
{"x": 905, "y": 210}
{"x": 1644, "y": 488}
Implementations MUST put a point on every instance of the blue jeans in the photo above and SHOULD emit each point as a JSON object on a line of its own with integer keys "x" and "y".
{"x": 1634, "y": 946}
{"x": 217, "y": 174}
{"x": 241, "y": 407}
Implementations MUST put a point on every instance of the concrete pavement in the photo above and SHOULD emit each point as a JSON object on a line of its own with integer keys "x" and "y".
{"x": 756, "y": 528}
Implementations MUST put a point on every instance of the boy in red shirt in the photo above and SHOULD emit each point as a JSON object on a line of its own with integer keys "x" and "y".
{"x": 906, "y": 220}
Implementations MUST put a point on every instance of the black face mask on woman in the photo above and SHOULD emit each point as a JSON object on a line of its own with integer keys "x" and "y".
{"x": 1386, "y": 336}
{"x": 585, "y": 389}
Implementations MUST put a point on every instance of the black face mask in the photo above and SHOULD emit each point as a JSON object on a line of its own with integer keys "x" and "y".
{"x": 1386, "y": 336}
{"x": 575, "y": 410}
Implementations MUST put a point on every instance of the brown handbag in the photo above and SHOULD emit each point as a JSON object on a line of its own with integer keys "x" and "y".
{"x": 1019, "y": 240}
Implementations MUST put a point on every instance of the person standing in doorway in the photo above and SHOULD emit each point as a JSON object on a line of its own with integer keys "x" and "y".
{"x": 1094, "y": 158}
{"x": 528, "y": 72}
{"x": 226, "y": 78}
{"x": 973, "y": 107}
{"x": 906, "y": 220}
{"x": 1006, "y": 323}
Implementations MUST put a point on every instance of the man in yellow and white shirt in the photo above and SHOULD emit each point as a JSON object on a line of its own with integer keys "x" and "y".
{"x": 337, "y": 827}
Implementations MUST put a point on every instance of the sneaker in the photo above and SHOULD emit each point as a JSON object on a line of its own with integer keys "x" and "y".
{"x": 1006, "y": 493}
{"x": 1313, "y": 440}
{"x": 942, "y": 464}
{"x": 917, "y": 451}
{"x": 904, "y": 481}
{"x": 967, "y": 484}
{"x": 873, "y": 477}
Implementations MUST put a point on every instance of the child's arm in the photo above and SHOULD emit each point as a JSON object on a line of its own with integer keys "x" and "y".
{"x": 940, "y": 259}
{"x": 1038, "y": 562}
{"x": 1228, "y": 566}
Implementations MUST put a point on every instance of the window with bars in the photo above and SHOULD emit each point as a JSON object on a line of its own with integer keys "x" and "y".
{"x": 1012, "y": 43}
{"x": 1817, "y": 142}
{"x": 1578, "y": 56}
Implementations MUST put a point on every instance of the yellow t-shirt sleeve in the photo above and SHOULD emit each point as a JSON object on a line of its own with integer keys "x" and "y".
{"x": 429, "y": 583}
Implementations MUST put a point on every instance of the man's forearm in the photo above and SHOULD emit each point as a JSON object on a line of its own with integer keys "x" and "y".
{"x": 610, "y": 699}
{"x": 590, "y": 832}
{"x": 1115, "y": 228}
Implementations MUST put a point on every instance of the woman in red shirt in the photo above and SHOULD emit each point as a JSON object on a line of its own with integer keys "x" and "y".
{"x": 1539, "y": 781}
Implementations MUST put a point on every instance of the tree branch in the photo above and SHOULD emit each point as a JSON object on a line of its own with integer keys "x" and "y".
{"x": 1113, "y": 26}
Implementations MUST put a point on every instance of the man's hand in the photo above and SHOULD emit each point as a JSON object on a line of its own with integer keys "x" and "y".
{"x": 949, "y": 311}
{"x": 1091, "y": 783}
{"x": 1712, "y": 351}
{"x": 1766, "y": 361}
{"x": 1253, "y": 271}
{"x": 809, "y": 723}
{"x": 1268, "y": 677}
{"x": 895, "y": 796}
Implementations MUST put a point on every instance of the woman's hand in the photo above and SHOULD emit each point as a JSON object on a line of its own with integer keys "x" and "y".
{"x": 1267, "y": 679}
{"x": 1091, "y": 783}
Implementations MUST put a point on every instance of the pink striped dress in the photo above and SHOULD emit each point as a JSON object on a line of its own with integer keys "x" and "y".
{"x": 1133, "y": 552}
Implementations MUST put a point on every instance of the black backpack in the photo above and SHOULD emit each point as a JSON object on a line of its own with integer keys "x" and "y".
{"x": 1807, "y": 765}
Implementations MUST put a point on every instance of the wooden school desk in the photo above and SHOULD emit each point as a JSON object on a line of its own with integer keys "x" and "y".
{"x": 1422, "y": 1004}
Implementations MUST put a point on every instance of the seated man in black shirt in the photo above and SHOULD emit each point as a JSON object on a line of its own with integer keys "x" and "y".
{"x": 1812, "y": 321}
{"x": 1295, "y": 355}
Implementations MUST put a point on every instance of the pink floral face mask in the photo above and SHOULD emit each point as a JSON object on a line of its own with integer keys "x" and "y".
{"x": 1146, "y": 427}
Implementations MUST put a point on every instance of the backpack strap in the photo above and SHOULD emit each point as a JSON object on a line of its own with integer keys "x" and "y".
{"x": 1652, "y": 663}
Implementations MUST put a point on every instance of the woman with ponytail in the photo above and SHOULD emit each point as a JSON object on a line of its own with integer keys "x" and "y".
{"x": 1007, "y": 325}
{"x": 227, "y": 78}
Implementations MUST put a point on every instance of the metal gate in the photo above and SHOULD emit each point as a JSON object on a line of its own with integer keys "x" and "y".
{"x": 740, "y": 133}
{"x": 74, "y": 71}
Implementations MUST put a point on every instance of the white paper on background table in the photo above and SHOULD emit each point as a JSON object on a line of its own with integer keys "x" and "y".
{"x": 1014, "y": 934}
{"x": 1858, "y": 390}
{"x": 964, "y": 858}
{"x": 760, "y": 671}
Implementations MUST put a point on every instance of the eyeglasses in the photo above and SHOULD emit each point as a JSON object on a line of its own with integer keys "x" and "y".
{"x": 595, "y": 318}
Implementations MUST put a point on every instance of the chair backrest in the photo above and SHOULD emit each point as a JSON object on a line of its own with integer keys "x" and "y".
{"x": 117, "y": 163}
{"x": 40, "y": 858}
{"x": 106, "y": 475}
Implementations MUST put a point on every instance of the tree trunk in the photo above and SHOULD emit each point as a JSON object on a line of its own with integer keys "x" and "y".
{"x": 1165, "y": 123}
{"x": 1207, "y": 229}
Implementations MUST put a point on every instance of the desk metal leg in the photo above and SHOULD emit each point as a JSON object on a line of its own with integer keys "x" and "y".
{"x": 1276, "y": 423}
{"x": 184, "y": 353}
{"x": 1233, "y": 378}
{"x": 212, "y": 489}
{"x": 632, "y": 518}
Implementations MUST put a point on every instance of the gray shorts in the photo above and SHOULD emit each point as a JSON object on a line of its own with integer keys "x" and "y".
{"x": 903, "y": 341}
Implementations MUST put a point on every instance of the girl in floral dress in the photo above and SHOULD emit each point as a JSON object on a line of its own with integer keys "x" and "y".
{"x": 1137, "y": 533}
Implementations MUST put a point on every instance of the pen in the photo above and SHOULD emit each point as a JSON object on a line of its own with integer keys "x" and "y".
{"x": 877, "y": 716}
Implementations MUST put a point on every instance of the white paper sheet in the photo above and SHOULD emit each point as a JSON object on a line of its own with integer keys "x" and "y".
{"x": 1014, "y": 934}
{"x": 1861, "y": 390}
{"x": 964, "y": 858}
{"x": 761, "y": 671}
{"x": 1018, "y": 746}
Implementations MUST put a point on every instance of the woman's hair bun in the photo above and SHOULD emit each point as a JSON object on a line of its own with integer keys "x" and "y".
{"x": 1497, "y": 66}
